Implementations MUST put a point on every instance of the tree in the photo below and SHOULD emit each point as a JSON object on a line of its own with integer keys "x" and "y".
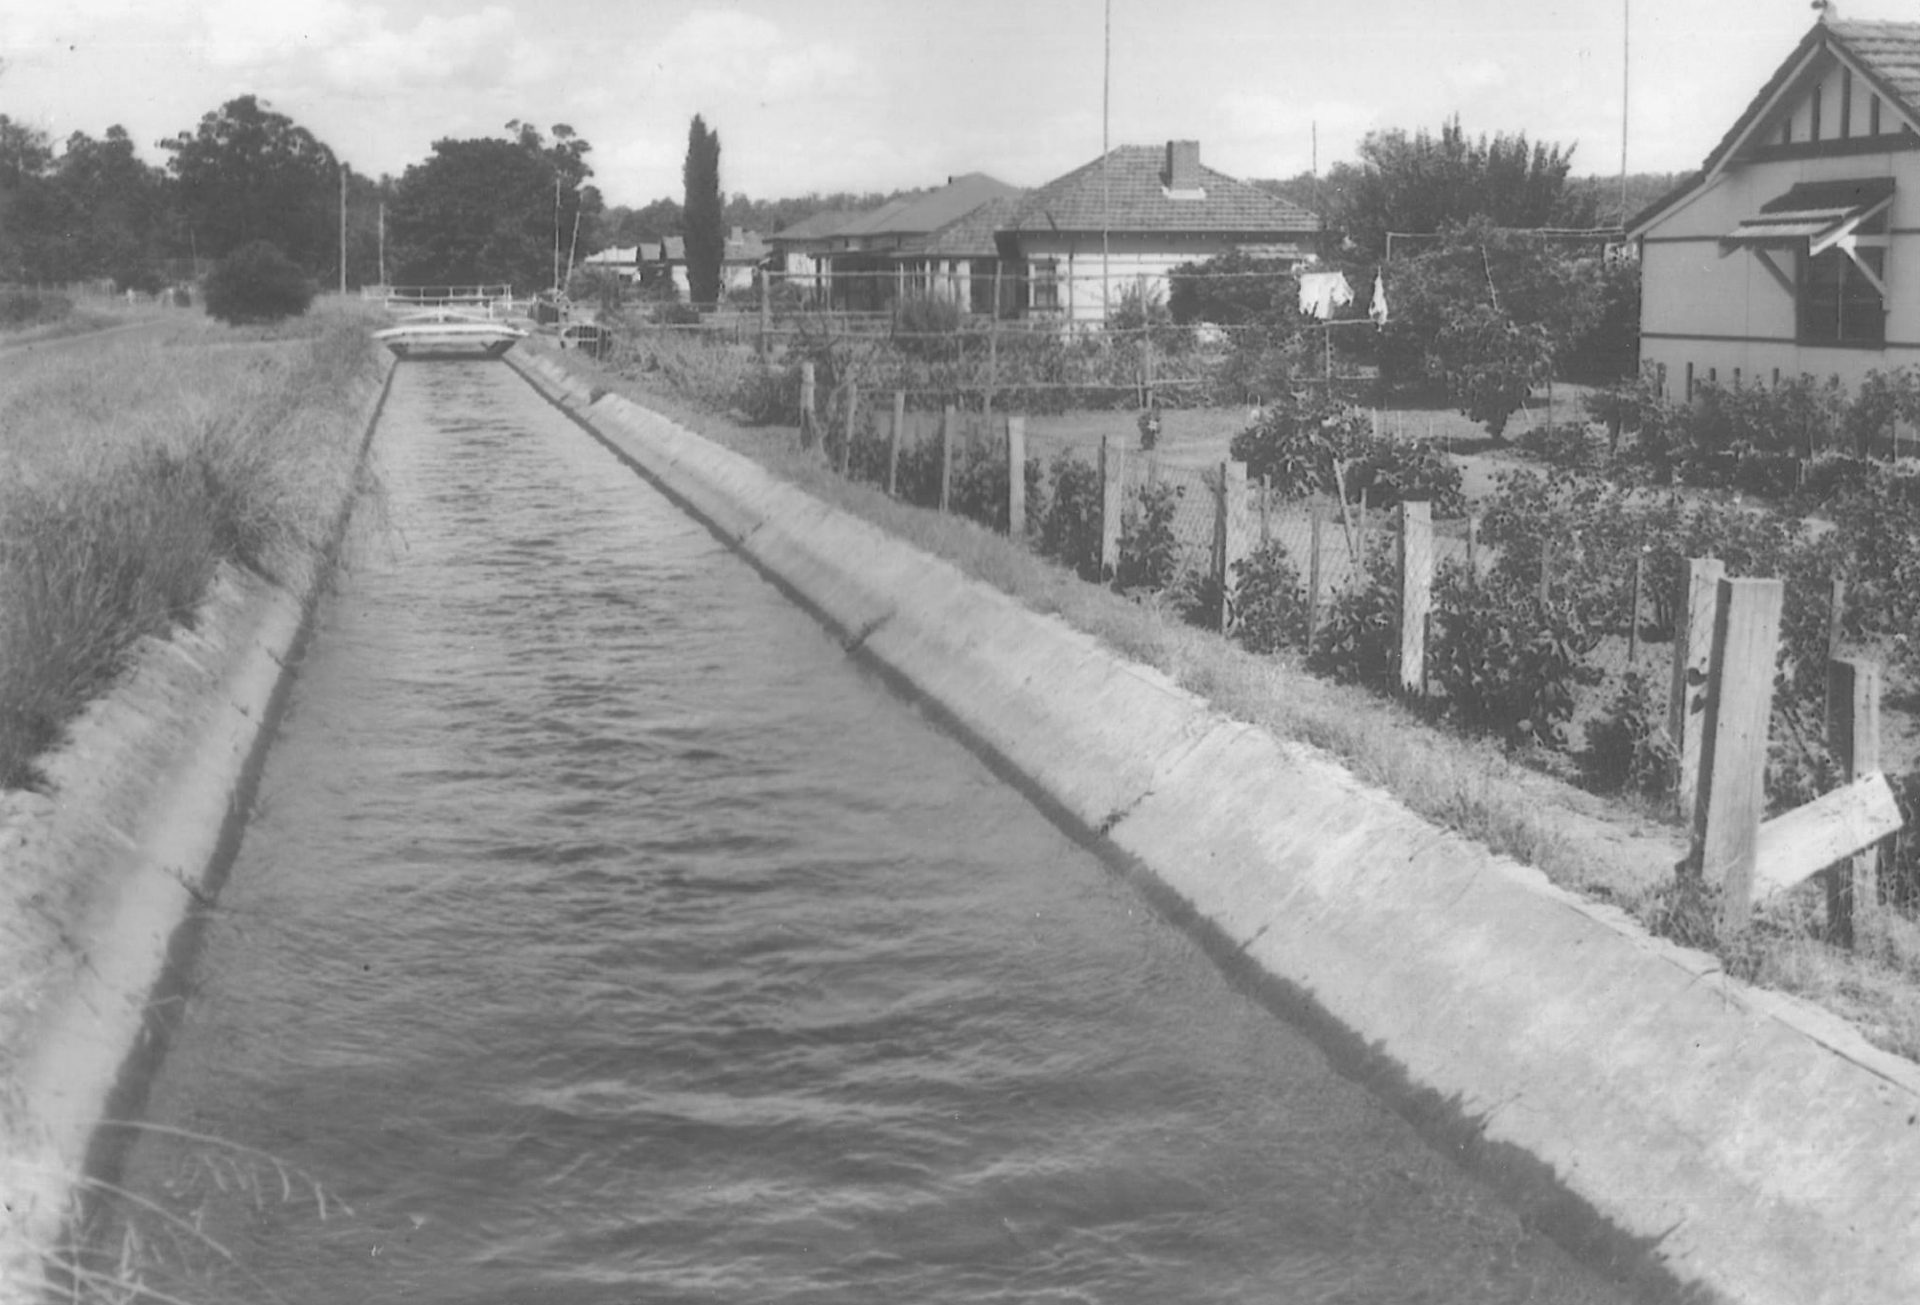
{"x": 120, "y": 206}
{"x": 704, "y": 229}
{"x": 250, "y": 174}
{"x": 1423, "y": 183}
{"x": 257, "y": 283}
{"x": 491, "y": 210}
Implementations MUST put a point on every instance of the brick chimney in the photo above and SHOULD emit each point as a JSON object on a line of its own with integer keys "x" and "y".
{"x": 1183, "y": 165}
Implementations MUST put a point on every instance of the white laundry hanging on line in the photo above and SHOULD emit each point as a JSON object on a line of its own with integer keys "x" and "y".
{"x": 1322, "y": 292}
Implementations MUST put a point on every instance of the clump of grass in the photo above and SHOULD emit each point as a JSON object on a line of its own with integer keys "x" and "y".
{"x": 125, "y": 489}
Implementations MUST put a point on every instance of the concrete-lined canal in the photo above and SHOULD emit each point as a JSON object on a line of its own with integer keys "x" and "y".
{"x": 606, "y": 935}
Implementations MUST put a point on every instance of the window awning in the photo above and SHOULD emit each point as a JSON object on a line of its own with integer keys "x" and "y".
{"x": 1820, "y": 213}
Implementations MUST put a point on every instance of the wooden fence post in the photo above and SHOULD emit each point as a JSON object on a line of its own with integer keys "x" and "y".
{"x": 946, "y": 457}
{"x": 1113, "y": 485}
{"x": 1733, "y": 745}
{"x": 893, "y": 443}
{"x": 1633, "y": 609}
{"x": 806, "y": 405}
{"x": 1266, "y": 510}
{"x": 1016, "y": 476}
{"x": 1546, "y": 570}
{"x": 1853, "y": 736}
{"x": 846, "y": 444}
{"x": 1230, "y": 532}
{"x": 1473, "y": 547}
{"x": 1692, "y": 654}
{"x": 993, "y": 338}
{"x": 1316, "y": 529}
{"x": 1416, "y": 591}
{"x": 766, "y": 311}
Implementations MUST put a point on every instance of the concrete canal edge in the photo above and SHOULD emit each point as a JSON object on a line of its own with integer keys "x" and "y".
{"x": 1707, "y": 1139}
{"x": 149, "y": 796}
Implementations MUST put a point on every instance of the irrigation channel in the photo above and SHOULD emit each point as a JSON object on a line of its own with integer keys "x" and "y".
{"x": 605, "y": 933}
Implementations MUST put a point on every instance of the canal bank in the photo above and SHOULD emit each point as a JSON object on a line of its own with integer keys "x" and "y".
{"x": 1743, "y": 1143}
{"x": 143, "y": 804}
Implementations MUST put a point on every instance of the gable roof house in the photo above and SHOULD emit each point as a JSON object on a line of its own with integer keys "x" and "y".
{"x": 1128, "y": 218}
{"x": 879, "y": 255}
{"x": 740, "y": 259}
{"x": 1795, "y": 249}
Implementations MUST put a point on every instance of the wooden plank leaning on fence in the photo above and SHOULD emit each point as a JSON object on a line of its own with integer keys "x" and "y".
{"x": 1113, "y": 498}
{"x": 1416, "y": 592}
{"x": 1751, "y": 860}
{"x": 1016, "y": 475}
{"x": 1853, "y": 736}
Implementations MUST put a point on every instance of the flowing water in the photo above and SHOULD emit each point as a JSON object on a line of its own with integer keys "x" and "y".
{"x": 605, "y": 934}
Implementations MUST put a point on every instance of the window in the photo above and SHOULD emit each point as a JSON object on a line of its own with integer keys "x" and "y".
{"x": 1838, "y": 304}
{"x": 1044, "y": 289}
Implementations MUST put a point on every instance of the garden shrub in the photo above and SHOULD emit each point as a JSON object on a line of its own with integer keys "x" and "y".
{"x": 1149, "y": 550}
{"x": 767, "y": 396}
{"x": 257, "y": 283}
{"x": 1270, "y": 600}
{"x": 1508, "y": 663}
{"x": 1568, "y": 446}
{"x": 1359, "y": 643}
{"x": 1628, "y": 749}
{"x": 1308, "y": 444}
{"x": 1070, "y": 523}
{"x": 21, "y": 307}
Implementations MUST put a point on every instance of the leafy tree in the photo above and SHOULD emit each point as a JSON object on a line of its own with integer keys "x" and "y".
{"x": 247, "y": 174}
{"x": 257, "y": 283}
{"x": 121, "y": 206}
{"x": 703, "y": 224}
{"x": 493, "y": 210}
{"x": 1423, "y": 183}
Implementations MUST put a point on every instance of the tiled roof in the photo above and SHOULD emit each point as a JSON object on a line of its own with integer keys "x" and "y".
{"x": 817, "y": 227}
{"x": 968, "y": 236}
{"x": 1889, "y": 52}
{"x": 935, "y": 209}
{"x": 1140, "y": 201}
{"x": 749, "y": 248}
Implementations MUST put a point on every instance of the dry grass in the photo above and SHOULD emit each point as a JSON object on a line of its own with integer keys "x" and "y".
{"x": 123, "y": 486}
{"x": 1608, "y": 851}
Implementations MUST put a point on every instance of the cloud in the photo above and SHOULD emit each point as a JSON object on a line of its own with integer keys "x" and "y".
{"x": 357, "y": 49}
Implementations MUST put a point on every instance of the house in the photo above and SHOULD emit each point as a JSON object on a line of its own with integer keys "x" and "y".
{"x": 1126, "y": 219}
{"x": 876, "y": 257}
{"x": 1795, "y": 249}
{"x": 798, "y": 249}
{"x": 741, "y": 259}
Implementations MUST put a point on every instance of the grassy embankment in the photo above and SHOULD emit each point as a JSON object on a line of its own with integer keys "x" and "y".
{"x": 1604, "y": 850}
{"x": 127, "y": 477}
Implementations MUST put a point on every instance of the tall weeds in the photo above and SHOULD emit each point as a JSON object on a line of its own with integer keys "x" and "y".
{"x": 124, "y": 487}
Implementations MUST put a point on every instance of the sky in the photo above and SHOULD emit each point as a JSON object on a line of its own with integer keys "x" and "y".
{"x": 877, "y": 95}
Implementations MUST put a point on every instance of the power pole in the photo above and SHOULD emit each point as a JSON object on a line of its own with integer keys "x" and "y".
{"x": 343, "y": 228}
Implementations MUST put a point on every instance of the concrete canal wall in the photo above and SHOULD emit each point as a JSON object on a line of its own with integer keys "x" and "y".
{"x": 1723, "y": 1143}
{"x": 145, "y": 803}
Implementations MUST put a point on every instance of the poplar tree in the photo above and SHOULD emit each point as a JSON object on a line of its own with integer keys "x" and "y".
{"x": 702, "y": 222}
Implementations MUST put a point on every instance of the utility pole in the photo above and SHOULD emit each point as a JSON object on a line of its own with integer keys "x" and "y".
{"x": 343, "y": 228}
{"x": 1106, "y": 181}
{"x": 1626, "y": 55}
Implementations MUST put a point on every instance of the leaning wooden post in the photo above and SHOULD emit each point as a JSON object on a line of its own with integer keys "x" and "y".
{"x": 1836, "y": 613}
{"x": 806, "y": 405}
{"x": 1416, "y": 591}
{"x": 1733, "y": 745}
{"x": 1230, "y": 534}
{"x": 1692, "y": 654}
{"x": 946, "y": 456}
{"x": 1853, "y": 737}
{"x": 846, "y": 444}
{"x": 1316, "y": 527}
{"x": 1016, "y": 477}
{"x": 1113, "y": 485}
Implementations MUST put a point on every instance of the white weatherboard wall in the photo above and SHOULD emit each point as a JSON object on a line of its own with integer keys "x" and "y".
{"x": 1746, "y": 1144}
